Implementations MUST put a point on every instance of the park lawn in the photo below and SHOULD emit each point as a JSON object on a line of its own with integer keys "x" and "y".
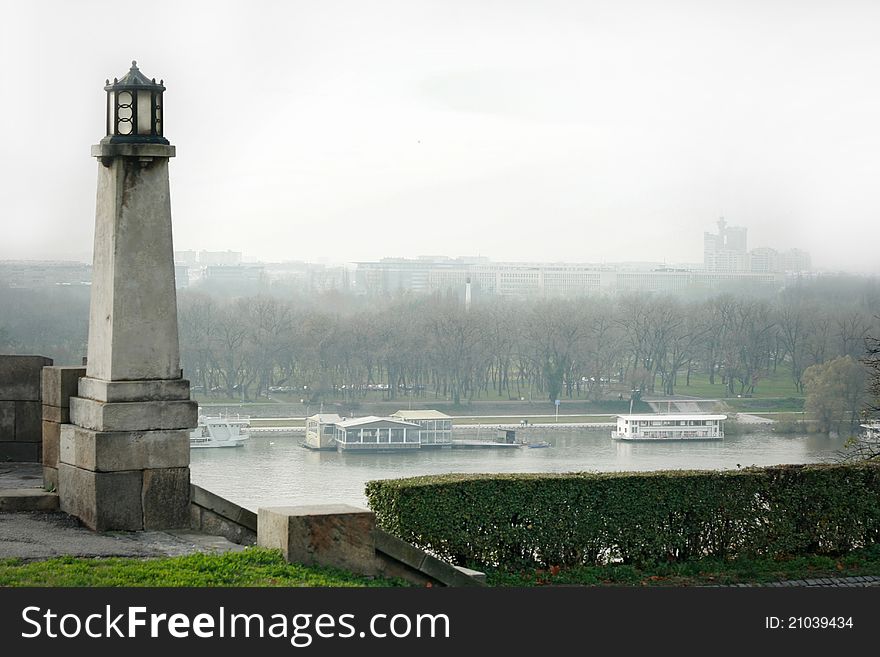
{"x": 701, "y": 572}
{"x": 772, "y": 384}
{"x": 257, "y": 567}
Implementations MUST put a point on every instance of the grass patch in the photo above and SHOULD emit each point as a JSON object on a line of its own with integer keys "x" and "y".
{"x": 253, "y": 567}
{"x": 702, "y": 572}
{"x": 771, "y": 384}
{"x": 767, "y": 405}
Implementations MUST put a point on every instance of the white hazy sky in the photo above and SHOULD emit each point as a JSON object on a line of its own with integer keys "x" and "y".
{"x": 520, "y": 130}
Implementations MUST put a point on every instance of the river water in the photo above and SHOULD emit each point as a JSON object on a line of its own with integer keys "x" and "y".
{"x": 275, "y": 471}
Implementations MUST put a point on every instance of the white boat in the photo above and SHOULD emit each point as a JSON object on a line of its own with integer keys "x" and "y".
{"x": 669, "y": 426}
{"x": 871, "y": 430}
{"x": 220, "y": 431}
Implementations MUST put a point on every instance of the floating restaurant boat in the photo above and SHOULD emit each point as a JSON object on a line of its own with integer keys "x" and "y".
{"x": 220, "y": 431}
{"x": 669, "y": 426}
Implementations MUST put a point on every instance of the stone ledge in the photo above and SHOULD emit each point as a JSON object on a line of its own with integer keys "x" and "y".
{"x": 133, "y": 416}
{"x": 429, "y": 565}
{"x": 132, "y": 391}
{"x": 17, "y": 500}
{"x": 133, "y": 150}
{"x": 59, "y": 384}
{"x": 212, "y": 514}
{"x": 224, "y": 508}
{"x": 346, "y": 537}
{"x": 58, "y": 414}
{"x": 115, "y": 451}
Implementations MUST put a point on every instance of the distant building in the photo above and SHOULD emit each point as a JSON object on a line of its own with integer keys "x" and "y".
{"x": 524, "y": 279}
{"x": 188, "y": 258}
{"x": 795, "y": 260}
{"x": 213, "y": 258}
{"x": 764, "y": 259}
{"x": 44, "y": 273}
{"x": 726, "y": 251}
{"x": 234, "y": 274}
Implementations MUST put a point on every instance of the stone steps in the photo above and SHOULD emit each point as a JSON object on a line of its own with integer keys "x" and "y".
{"x": 13, "y": 500}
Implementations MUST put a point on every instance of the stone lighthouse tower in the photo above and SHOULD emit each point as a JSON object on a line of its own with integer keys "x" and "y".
{"x": 124, "y": 459}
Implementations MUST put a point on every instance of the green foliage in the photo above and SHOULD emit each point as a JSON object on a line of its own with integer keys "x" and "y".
{"x": 836, "y": 394}
{"x": 699, "y": 572}
{"x": 252, "y": 567}
{"x": 518, "y": 521}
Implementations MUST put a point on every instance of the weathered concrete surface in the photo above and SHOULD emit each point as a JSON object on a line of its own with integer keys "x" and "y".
{"x": 346, "y": 537}
{"x": 133, "y": 416}
{"x": 20, "y": 377}
{"x": 21, "y": 452}
{"x": 133, "y": 311}
{"x": 57, "y": 414}
{"x": 429, "y": 567}
{"x": 7, "y": 421}
{"x": 17, "y": 500}
{"x": 28, "y": 421}
{"x": 50, "y": 478}
{"x": 328, "y": 534}
{"x": 127, "y": 391}
{"x": 115, "y": 451}
{"x": 31, "y": 536}
{"x": 51, "y": 443}
{"x": 102, "y": 500}
{"x": 59, "y": 384}
{"x": 19, "y": 475}
{"x": 212, "y": 514}
{"x": 165, "y": 498}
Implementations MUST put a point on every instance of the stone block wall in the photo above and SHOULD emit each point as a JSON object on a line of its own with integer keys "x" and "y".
{"x": 214, "y": 515}
{"x": 21, "y": 432}
{"x": 58, "y": 385}
{"x": 346, "y": 537}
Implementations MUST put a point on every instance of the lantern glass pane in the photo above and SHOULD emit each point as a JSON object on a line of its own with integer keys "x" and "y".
{"x": 145, "y": 112}
{"x": 111, "y": 107}
{"x": 159, "y": 114}
{"x": 123, "y": 113}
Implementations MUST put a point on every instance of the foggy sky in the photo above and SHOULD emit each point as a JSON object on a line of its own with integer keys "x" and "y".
{"x": 545, "y": 130}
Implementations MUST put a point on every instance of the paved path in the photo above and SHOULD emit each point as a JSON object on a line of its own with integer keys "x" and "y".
{"x": 32, "y": 536}
{"x": 746, "y": 418}
{"x": 820, "y": 582}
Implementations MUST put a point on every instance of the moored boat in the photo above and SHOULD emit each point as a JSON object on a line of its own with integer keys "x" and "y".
{"x": 669, "y": 426}
{"x": 220, "y": 431}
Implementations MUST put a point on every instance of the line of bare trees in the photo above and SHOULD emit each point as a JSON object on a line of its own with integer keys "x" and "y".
{"x": 543, "y": 349}
{"x": 341, "y": 345}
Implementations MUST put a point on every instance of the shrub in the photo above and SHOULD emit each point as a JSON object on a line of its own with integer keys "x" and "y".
{"x": 515, "y": 521}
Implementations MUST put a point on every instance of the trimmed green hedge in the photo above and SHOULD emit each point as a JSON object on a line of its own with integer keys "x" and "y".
{"x": 515, "y": 521}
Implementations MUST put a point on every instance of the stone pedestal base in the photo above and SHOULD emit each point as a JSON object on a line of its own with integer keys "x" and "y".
{"x": 123, "y": 463}
{"x": 129, "y": 500}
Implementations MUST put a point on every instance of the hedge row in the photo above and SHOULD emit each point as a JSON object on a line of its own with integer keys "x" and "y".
{"x": 521, "y": 521}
